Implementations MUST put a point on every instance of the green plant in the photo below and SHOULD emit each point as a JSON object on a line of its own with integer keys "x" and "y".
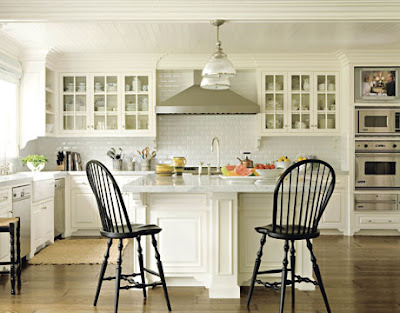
{"x": 35, "y": 159}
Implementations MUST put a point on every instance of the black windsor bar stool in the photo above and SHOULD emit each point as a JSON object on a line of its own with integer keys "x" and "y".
{"x": 116, "y": 225}
{"x": 300, "y": 198}
{"x": 12, "y": 226}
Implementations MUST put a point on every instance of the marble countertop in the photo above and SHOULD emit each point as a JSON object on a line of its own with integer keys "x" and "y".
{"x": 192, "y": 184}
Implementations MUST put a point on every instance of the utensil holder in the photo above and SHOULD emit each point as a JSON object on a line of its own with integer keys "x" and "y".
{"x": 117, "y": 165}
{"x": 146, "y": 165}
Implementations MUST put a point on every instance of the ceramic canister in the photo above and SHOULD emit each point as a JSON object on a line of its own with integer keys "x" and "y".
{"x": 179, "y": 162}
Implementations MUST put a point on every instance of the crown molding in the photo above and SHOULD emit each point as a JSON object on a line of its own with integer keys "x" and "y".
{"x": 370, "y": 57}
{"x": 9, "y": 46}
{"x": 199, "y": 10}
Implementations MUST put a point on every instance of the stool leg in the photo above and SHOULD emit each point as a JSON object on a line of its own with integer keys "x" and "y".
{"x": 161, "y": 271}
{"x": 118, "y": 276}
{"x": 284, "y": 275}
{"x": 140, "y": 256}
{"x": 256, "y": 268}
{"x": 293, "y": 270}
{"x": 102, "y": 271}
{"x": 19, "y": 254}
{"x": 318, "y": 275}
{"x": 12, "y": 255}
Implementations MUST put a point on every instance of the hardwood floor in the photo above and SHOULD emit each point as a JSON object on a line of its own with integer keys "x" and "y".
{"x": 361, "y": 275}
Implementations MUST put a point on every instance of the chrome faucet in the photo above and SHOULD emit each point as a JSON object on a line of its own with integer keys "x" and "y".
{"x": 218, "y": 153}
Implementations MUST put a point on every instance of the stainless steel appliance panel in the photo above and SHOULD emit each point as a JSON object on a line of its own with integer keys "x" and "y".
{"x": 376, "y": 202}
{"x": 21, "y": 207}
{"x": 59, "y": 207}
{"x": 377, "y": 121}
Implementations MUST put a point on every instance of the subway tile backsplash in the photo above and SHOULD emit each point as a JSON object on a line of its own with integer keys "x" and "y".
{"x": 190, "y": 136}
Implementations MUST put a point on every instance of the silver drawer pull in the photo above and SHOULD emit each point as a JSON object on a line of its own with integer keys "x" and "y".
{"x": 44, "y": 208}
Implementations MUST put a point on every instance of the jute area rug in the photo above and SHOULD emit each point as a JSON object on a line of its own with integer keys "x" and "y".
{"x": 77, "y": 251}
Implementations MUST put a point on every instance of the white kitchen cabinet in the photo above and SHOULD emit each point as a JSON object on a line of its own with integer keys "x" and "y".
{"x": 184, "y": 239}
{"x": 42, "y": 224}
{"x": 5, "y": 211}
{"x": 107, "y": 104}
{"x": 300, "y": 102}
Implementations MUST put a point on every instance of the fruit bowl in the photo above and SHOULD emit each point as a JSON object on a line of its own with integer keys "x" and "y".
{"x": 270, "y": 174}
{"x": 283, "y": 165}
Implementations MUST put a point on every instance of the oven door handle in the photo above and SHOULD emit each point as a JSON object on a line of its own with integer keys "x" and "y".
{"x": 380, "y": 154}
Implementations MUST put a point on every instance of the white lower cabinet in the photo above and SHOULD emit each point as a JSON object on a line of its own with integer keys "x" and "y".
{"x": 84, "y": 213}
{"x": 184, "y": 238}
{"x": 42, "y": 231}
{"x": 5, "y": 211}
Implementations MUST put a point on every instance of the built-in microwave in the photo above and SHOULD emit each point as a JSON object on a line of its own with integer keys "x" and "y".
{"x": 378, "y": 121}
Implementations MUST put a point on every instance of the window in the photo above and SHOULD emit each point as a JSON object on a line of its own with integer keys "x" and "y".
{"x": 8, "y": 120}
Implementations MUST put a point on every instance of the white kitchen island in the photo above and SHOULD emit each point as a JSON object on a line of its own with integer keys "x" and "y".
{"x": 208, "y": 236}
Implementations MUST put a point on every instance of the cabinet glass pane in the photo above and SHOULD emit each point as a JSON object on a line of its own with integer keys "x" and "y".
{"x": 279, "y": 102}
{"x": 112, "y": 103}
{"x": 130, "y": 103}
{"x": 295, "y": 102}
{"x": 68, "y": 123}
{"x": 98, "y": 84}
{"x": 112, "y": 84}
{"x": 130, "y": 122}
{"x": 112, "y": 122}
{"x": 143, "y": 83}
{"x": 279, "y": 83}
{"x": 331, "y": 102}
{"x": 305, "y": 82}
{"x": 279, "y": 121}
{"x": 269, "y": 121}
{"x": 80, "y": 122}
{"x": 305, "y": 121}
{"x": 68, "y": 84}
{"x": 331, "y": 121}
{"x": 295, "y": 82}
{"x": 269, "y": 83}
{"x": 296, "y": 121}
{"x": 321, "y": 82}
{"x": 331, "y": 82}
{"x": 99, "y": 103}
{"x": 143, "y": 122}
{"x": 68, "y": 103}
{"x": 321, "y": 124}
{"x": 321, "y": 105}
{"x": 269, "y": 102}
{"x": 143, "y": 103}
{"x": 80, "y": 84}
{"x": 100, "y": 122}
{"x": 305, "y": 101}
{"x": 80, "y": 103}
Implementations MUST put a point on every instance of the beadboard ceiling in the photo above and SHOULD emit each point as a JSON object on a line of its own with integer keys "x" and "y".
{"x": 172, "y": 38}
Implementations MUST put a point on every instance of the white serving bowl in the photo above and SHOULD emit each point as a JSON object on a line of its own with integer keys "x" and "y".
{"x": 283, "y": 165}
{"x": 269, "y": 174}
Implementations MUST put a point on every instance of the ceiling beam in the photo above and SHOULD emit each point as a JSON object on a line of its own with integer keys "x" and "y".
{"x": 198, "y": 11}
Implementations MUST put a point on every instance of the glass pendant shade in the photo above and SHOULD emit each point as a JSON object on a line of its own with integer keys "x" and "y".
{"x": 215, "y": 83}
{"x": 219, "y": 66}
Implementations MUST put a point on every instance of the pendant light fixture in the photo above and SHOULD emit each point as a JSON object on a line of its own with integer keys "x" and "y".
{"x": 218, "y": 67}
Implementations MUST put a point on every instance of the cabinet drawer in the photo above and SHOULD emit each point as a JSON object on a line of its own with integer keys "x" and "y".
{"x": 379, "y": 220}
{"x": 5, "y": 196}
{"x": 80, "y": 181}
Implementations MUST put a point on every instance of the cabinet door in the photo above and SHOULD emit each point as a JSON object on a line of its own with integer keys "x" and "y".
{"x": 137, "y": 103}
{"x": 74, "y": 101}
{"x": 84, "y": 213}
{"x": 105, "y": 103}
{"x": 47, "y": 215}
{"x": 300, "y": 90}
{"x": 5, "y": 211}
{"x": 326, "y": 102}
{"x": 274, "y": 102}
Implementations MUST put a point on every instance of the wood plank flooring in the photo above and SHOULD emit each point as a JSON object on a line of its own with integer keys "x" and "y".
{"x": 361, "y": 275}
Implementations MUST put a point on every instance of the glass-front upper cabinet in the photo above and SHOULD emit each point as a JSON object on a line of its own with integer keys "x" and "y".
{"x": 74, "y": 103}
{"x": 105, "y": 102}
{"x": 300, "y": 88}
{"x": 274, "y": 102}
{"x": 136, "y": 103}
{"x": 326, "y": 86}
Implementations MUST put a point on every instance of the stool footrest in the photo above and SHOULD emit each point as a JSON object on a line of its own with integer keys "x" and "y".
{"x": 277, "y": 285}
{"x": 140, "y": 286}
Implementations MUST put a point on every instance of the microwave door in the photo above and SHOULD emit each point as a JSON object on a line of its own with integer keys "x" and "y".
{"x": 376, "y": 122}
{"x": 377, "y": 170}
